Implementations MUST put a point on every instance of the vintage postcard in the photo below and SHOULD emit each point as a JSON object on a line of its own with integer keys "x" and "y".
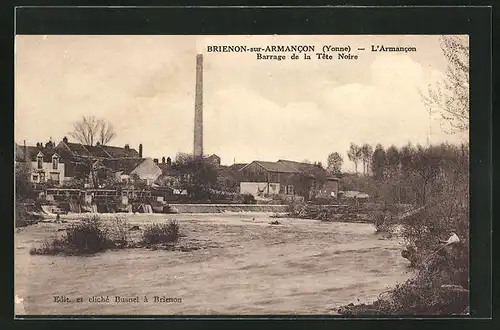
{"x": 241, "y": 175}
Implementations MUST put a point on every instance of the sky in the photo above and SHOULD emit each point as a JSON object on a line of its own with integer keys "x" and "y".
{"x": 253, "y": 109}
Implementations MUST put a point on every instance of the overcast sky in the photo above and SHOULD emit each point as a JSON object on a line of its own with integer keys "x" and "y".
{"x": 253, "y": 109}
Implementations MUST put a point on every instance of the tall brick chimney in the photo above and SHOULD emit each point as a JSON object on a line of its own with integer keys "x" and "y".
{"x": 140, "y": 150}
{"x": 198, "y": 109}
{"x": 25, "y": 151}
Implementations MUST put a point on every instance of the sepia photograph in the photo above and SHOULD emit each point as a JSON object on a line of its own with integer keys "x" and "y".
{"x": 241, "y": 175}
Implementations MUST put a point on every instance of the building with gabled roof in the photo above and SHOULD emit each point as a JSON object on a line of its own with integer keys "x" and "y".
{"x": 286, "y": 177}
{"x": 79, "y": 156}
{"x": 127, "y": 169}
{"x": 43, "y": 163}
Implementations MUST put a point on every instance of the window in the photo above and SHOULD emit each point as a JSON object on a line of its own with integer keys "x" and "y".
{"x": 35, "y": 178}
{"x": 39, "y": 162}
{"x": 55, "y": 162}
{"x": 289, "y": 189}
{"x": 42, "y": 176}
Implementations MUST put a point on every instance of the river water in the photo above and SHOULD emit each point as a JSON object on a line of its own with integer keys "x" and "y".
{"x": 242, "y": 266}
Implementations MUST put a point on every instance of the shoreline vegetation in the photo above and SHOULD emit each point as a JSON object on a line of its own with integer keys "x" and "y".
{"x": 92, "y": 235}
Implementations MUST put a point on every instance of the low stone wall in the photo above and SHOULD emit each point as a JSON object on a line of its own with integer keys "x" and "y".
{"x": 219, "y": 208}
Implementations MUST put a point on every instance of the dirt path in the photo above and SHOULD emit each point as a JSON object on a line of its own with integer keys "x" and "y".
{"x": 243, "y": 266}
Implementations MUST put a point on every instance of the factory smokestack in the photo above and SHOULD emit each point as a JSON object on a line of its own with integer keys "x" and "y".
{"x": 198, "y": 109}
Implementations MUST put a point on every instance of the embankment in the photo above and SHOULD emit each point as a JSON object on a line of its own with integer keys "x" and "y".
{"x": 219, "y": 208}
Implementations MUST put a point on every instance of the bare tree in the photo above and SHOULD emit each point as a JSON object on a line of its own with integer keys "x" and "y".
{"x": 90, "y": 129}
{"x": 106, "y": 132}
{"x": 451, "y": 95}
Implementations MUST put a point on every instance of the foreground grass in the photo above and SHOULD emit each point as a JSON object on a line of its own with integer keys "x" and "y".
{"x": 92, "y": 235}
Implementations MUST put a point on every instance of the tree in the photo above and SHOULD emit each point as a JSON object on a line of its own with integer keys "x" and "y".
{"x": 182, "y": 158}
{"x": 378, "y": 162}
{"x": 366, "y": 156}
{"x": 106, "y": 132}
{"x": 451, "y": 95}
{"x": 90, "y": 130}
{"x": 24, "y": 188}
{"x": 405, "y": 158}
{"x": 392, "y": 159}
{"x": 334, "y": 163}
{"x": 354, "y": 155}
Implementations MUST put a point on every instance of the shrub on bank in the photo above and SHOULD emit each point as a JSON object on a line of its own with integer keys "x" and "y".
{"x": 431, "y": 292}
{"x": 88, "y": 236}
{"x": 441, "y": 284}
{"x": 161, "y": 233}
{"x": 23, "y": 216}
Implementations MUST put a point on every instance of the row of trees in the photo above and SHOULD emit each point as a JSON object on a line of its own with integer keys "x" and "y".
{"x": 416, "y": 174}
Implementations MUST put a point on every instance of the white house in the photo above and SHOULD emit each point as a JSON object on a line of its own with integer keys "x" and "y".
{"x": 125, "y": 169}
{"x": 43, "y": 163}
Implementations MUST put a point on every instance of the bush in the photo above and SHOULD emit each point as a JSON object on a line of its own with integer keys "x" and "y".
{"x": 429, "y": 293}
{"x": 89, "y": 236}
{"x": 248, "y": 199}
{"x": 23, "y": 217}
{"x": 161, "y": 233}
{"x": 383, "y": 222}
{"x": 119, "y": 231}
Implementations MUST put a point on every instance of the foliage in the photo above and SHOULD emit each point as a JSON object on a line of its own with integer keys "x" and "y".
{"x": 161, "y": 233}
{"x": 384, "y": 221}
{"x": 202, "y": 176}
{"x": 24, "y": 188}
{"x": 354, "y": 154}
{"x": 416, "y": 297}
{"x": 366, "y": 157}
{"x": 378, "y": 162}
{"x": 88, "y": 236}
{"x": 450, "y": 96}
{"x": 24, "y": 215}
{"x": 335, "y": 161}
{"x": 248, "y": 199}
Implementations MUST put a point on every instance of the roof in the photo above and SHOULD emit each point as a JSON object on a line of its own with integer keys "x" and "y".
{"x": 277, "y": 167}
{"x": 32, "y": 153}
{"x": 237, "y": 166}
{"x": 288, "y": 166}
{"x": 126, "y": 165}
{"x": 78, "y": 149}
{"x": 169, "y": 170}
{"x": 116, "y": 152}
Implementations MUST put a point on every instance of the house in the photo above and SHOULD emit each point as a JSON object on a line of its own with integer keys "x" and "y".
{"x": 170, "y": 175}
{"x": 213, "y": 160}
{"x": 79, "y": 157}
{"x": 128, "y": 169}
{"x": 43, "y": 163}
{"x": 288, "y": 178}
{"x": 228, "y": 177}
